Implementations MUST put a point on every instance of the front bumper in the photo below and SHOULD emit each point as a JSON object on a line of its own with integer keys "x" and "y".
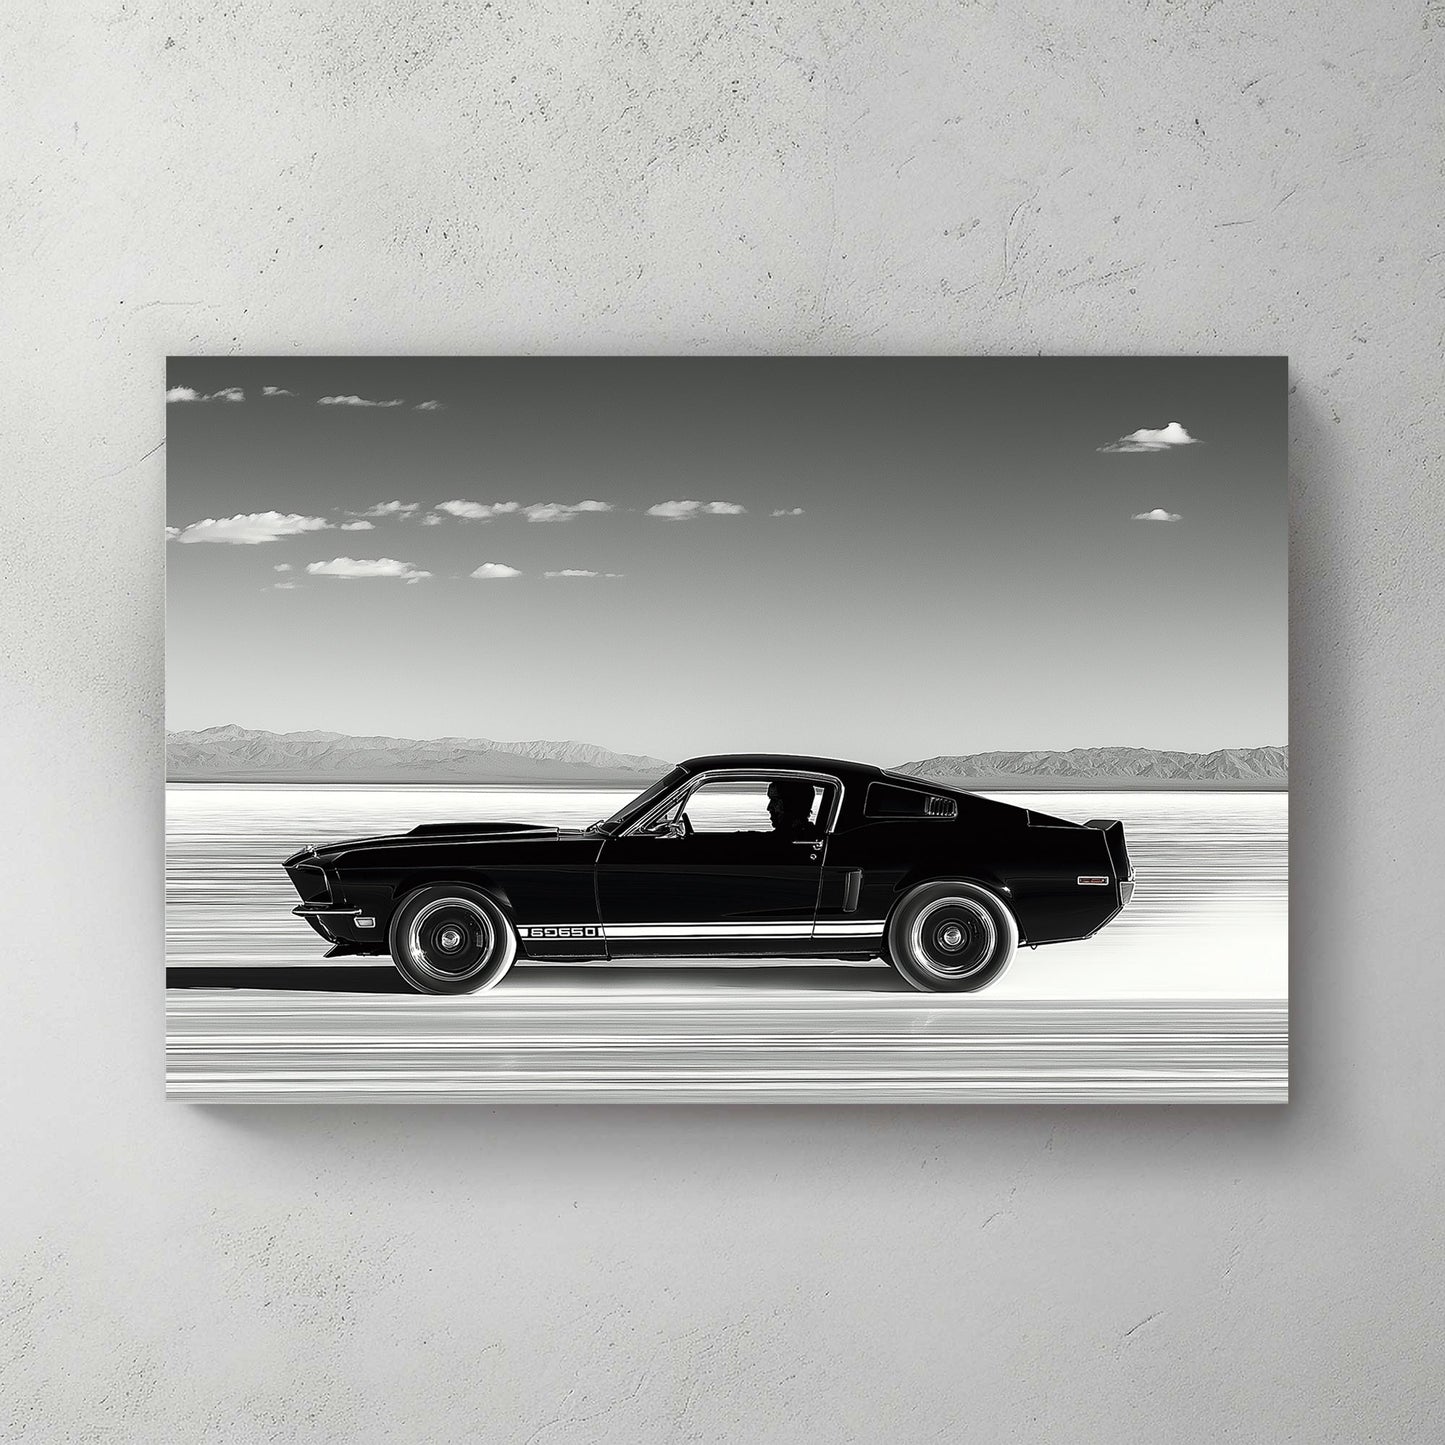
{"x": 1126, "y": 891}
{"x": 354, "y": 921}
{"x": 337, "y": 924}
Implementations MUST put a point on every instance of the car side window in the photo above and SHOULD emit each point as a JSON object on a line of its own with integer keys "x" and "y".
{"x": 723, "y": 807}
{"x": 786, "y": 807}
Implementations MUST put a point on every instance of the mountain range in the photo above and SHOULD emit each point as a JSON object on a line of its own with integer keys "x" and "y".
{"x": 237, "y": 754}
{"x": 1124, "y": 767}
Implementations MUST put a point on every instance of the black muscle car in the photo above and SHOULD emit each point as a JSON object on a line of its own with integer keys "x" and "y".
{"x": 758, "y": 855}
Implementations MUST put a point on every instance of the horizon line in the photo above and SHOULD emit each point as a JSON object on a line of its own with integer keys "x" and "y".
{"x": 440, "y": 737}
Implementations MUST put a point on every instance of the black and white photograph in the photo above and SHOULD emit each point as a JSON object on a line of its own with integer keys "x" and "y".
{"x": 727, "y": 729}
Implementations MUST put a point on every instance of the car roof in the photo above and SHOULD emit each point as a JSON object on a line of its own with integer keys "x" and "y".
{"x": 788, "y": 761}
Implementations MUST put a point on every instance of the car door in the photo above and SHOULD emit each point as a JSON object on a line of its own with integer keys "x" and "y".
{"x": 707, "y": 873}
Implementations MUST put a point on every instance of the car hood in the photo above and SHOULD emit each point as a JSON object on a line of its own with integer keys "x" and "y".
{"x": 438, "y": 832}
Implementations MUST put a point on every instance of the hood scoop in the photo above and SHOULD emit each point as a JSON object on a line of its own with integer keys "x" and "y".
{"x": 475, "y": 830}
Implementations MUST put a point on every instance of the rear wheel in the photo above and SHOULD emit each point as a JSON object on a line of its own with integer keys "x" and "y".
{"x": 951, "y": 937}
{"x": 449, "y": 938}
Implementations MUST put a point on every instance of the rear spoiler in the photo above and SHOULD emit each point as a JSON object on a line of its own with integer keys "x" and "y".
{"x": 1113, "y": 832}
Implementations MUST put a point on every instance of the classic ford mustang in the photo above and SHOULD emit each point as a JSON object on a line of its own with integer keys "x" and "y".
{"x": 737, "y": 856}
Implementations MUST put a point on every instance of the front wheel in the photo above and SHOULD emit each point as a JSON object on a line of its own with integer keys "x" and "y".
{"x": 951, "y": 937}
{"x": 449, "y": 938}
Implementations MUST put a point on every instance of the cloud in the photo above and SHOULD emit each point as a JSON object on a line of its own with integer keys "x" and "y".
{"x": 1157, "y": 515}
{"x": 495, "y": 572}
{"x": 283, "y": 567}
{"x": 788, "y": 512}
{"x": 356, "y": 401}
{"x": 475, "y": 511}
{"x": 367, "y": 567}
{"x": 466, "y": 511}
{"x": 429, "y": 406}
{"x": 562, "y": 511}
{"x": 285, "y": 586}
{"x": 681, "y": 511}
{"x": 172, "y": 533}
{"x": 581, "y": 572}
{"x": 391, "y": 509}
{"x": 1164, "y": 439}
{"x": 189, "y": 393}
{"x": 250, "y": 528}
{"x": 276, "y": 391}
{"x": 359, "y": 525}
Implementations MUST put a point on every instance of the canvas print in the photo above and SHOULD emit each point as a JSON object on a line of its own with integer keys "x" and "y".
{"x": 726, "y": 729}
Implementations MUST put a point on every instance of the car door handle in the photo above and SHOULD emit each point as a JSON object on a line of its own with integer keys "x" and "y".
{"x": 804, "y": 843}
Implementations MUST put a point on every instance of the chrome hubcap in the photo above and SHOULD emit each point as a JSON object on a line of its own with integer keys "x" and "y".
{"x": 953, "y": 937}
{"x": 451, "y": 939}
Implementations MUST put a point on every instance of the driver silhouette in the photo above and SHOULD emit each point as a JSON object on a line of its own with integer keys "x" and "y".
{"x": 790, "y": 802}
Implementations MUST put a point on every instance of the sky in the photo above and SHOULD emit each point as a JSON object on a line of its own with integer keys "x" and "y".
{"x": 876, "y": 558}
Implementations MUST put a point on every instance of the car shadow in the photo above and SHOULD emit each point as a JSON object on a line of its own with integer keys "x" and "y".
{"x": 304, "y": 978}
{"x": 382, "y": 978}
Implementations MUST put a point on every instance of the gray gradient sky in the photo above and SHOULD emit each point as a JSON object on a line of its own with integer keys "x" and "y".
{"x": 966, "y": 573}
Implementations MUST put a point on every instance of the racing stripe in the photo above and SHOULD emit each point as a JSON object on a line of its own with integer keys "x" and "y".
{"x": 850, "y": 928}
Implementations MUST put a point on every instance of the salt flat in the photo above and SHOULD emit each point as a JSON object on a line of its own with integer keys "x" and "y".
{"x": 799, "y": 1045}
{"x": 1182, "y": 998}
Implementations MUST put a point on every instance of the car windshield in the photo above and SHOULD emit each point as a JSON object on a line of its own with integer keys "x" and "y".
{"x": 640, "y": 804}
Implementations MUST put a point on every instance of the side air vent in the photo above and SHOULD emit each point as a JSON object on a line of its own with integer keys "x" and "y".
{"x": 889, "y": 800}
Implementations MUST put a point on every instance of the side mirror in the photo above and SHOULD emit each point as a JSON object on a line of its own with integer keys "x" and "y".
{"x": 671, "y": 828}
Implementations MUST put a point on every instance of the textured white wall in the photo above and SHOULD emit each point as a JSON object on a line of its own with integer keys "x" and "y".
{"x": 415, "y": 176}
